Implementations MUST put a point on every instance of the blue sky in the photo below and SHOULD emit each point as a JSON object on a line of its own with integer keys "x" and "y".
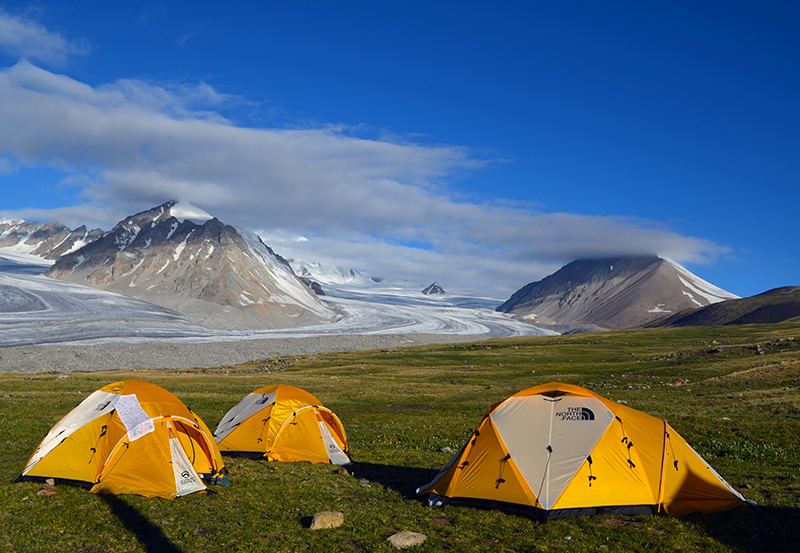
{"x": 483, "y": 145}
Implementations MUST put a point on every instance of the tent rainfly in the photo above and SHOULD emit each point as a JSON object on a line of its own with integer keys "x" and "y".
{"x": 557, "y": 450}
{"x": 130, "y": 437}
{"x": 284, "y": 423}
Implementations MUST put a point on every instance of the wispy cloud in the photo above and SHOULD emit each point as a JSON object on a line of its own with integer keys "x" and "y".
{"x": 185, "y": 38}
{"x": 30, "y": 40}
{"x": 358, "y": 202}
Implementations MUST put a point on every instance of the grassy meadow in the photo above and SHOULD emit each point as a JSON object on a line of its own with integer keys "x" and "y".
{"x": 732, "y": 392}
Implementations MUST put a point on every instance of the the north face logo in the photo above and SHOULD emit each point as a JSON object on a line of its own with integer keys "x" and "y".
{"x": 187, "y": 478}
{"x": 576, "y": 414}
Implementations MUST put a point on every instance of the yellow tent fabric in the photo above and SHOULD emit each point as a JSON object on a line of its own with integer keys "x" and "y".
{"x": 130, "y": 437}
{"x": 284, "y": 423}
{"x": 558, "y": 450}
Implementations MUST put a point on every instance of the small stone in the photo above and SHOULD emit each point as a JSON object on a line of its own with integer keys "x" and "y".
{"x": 47, "y": 491}
{"x": 327, "y": 519}
{"x": 406, "y": 539}
{"x": 364, "y": 483}
{"x": 445, "y": 450}
{"x": 342, "y": 471}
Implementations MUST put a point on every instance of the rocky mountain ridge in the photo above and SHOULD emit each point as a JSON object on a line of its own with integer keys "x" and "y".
{"x": 773, "y": 306}
{"x": 49, "y": 240}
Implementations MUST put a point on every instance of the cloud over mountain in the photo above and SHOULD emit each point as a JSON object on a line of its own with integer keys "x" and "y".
{"x": 324, "y": 192}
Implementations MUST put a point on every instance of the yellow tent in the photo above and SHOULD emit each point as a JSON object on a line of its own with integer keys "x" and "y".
{"x": 285, "y": 424}
{"x": 558, "y": 450}
{"x": 130, "y": 437}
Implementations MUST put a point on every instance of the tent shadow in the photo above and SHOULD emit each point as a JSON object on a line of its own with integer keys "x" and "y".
{"x": 404, "y": 480}
{"x": 767, "y": 528}
{"x": 149, "y": 535}
{"x": 252, "y": 455}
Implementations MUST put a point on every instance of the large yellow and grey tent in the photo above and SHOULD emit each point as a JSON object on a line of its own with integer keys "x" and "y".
{"x": 284, "y": 423}
{"x": 130, "y": 437}
{"x": 558, "y": 450}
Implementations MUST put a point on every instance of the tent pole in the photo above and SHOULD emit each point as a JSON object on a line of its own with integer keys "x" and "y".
{"x": 663, "y": 469}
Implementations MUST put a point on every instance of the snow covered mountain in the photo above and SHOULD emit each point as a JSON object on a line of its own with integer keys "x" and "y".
{"x": 434, "y": 289}
{"x": 612, "y": 293}
{"x": 47, "y": 240}
{"x": 330, "y": 275}
{"x": 179, "y": 257}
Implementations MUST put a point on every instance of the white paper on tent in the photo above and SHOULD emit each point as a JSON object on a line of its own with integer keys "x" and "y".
{"x": 136, "y": 421}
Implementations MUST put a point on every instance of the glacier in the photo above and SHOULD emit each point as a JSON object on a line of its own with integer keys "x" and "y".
{"x": 38, "y": 310}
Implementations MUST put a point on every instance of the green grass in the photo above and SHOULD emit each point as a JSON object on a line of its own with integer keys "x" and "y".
{"x": 732, "y": 392}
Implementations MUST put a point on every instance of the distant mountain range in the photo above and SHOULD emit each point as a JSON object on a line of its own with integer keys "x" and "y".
{"x": 48, "y": 240}
{"x": 215, "y": 275}
{"x": 620, "y": 292}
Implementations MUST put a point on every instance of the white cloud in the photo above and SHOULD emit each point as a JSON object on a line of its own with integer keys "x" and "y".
{"x": 131, "y": 145}
{"x": 30, "y": 40}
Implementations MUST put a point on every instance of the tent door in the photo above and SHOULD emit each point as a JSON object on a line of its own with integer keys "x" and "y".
{"x": 186, "y": 478}
{"x": 335, "y": 453}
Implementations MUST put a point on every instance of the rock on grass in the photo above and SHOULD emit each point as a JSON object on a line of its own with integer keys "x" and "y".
{"x": 327, "y": 519}
{"x": 405, "y": 539}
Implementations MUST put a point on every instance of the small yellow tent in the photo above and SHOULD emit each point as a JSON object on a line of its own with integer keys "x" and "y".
{"x": 558, "y": 450}
{"x": 130, "y": 437}
{"x": 284, "y": 423}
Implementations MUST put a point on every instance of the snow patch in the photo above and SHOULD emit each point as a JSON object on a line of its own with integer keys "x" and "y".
{"x": 180, "y": 247}
{"x": 713, "y": 294}
{"x": 78, "y": 244}
{"x": 128, "y": 235}
{"x": 172, "y": 231}
{"x": 691, "y": 297}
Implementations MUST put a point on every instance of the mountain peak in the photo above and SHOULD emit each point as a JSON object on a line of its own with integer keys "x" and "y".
{"x": 433, "y": 289}
{"x": 212, "y": 273}
{"x": 616, "y": 292}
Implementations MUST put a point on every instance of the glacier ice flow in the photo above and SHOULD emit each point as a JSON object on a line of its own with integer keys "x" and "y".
{"x": 40, "y": 310}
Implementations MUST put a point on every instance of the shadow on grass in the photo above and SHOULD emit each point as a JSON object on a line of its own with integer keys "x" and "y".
{"x": 773, "y": 529}
{"x": 404, "y": 480}
{"x": 148, "y": 534}
{"x": 252, "y": 455}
